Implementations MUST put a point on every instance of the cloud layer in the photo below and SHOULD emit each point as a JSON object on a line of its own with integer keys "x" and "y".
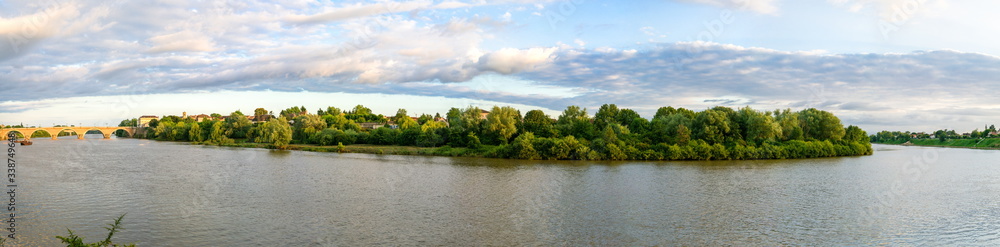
{"x": 433, "y": 48}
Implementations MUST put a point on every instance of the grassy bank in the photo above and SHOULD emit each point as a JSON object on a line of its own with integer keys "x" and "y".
{"x": 371, "y": 149}
{"x": 696, "y": 150}
{"x": 988, "y": 143}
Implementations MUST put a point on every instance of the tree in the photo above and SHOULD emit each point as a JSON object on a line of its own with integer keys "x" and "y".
{"x": 712, "y": 126}
{"x": 425, "y": 118}
{"x": 626, "y": 117}
{"x": 683, "y": 134}
{"x": 789, "y": 122}
{"x": 855, "y": 134}
{"x": 522, "y": 147}
{"x": 276, "y": 132}
{"x": 535, "y": 121}
{"x": 330, "y": 110}
{"x": 260, "y": 114}
{"x": 195, "y": 133}
{"x": 664, "y": 112}
{"x": 400, "y": 114}
{"x": 607, "y": 114}
{"x": 237, "y": 125}
{"x": 820, "y": 125}
{"x": 757, "y": 127}
{"x": 218, "y": 134}
{"x": 306, "y": 125}
{"x": 501, "y": 123}
{"x": 575, "y": 122}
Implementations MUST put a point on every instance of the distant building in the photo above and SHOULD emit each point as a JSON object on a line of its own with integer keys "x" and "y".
{"x": 144, "y": 120}
{"x": 483, "y": 113}
{"x": 370, "y": 125}
{"x": 201, "y": 117}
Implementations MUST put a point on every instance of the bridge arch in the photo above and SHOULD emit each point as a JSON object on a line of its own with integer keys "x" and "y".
{"x": 80, "y": 131}
{"x": 108, "y": 131}
{"x": 37, "y": 130}
{"x": 19, "y": 131}
{"x": 58, "y": 130}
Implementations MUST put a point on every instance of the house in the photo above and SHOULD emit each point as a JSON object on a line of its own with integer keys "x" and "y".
{"x": 201, "y": 117}
{"x": 144, "y": 120}
{"x": 370, "y": 125}
{"x": 483, "y": 113}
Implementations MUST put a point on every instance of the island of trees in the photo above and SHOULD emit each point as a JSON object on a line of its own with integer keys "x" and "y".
{"x": 718, "y": 133}
{"x": 988, "y": 138}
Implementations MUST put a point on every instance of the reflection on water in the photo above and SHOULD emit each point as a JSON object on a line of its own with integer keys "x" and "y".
{"x": 184, "y": 195}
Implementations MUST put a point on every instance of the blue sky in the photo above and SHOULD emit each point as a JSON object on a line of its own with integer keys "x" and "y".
{"x": 880, "y": 64}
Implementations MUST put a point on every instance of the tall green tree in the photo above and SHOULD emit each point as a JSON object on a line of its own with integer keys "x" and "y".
{"x": 218, "y": 133}
{"x": 607, "y": 114}
{"x": 541, "y": 125}
{"x": 276, "y": 132}
{"x": 195, "y": 133}
{"x": 820, "y": 125}
{"x": 712, "y": 126}
{"x": 501, "y": 123}
{"x": 575, "y": 122}
{"x": 305, "y": 126}
{"x": 260, "y": 114}
{"x": 757, "y": 127}
{"x": 237, "y": 125}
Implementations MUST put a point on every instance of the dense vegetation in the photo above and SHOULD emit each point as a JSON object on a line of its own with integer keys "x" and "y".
{"x": 610, "y": 134}
{"x": 987, "y": 138}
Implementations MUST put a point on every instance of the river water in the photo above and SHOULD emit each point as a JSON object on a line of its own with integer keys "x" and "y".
{"x": 177, "y": 194}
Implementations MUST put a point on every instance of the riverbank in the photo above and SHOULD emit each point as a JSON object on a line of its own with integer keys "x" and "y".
{"x": 692, "y": 151}
{"x": 369, "y": 149}
{"x": 988, "y": 143}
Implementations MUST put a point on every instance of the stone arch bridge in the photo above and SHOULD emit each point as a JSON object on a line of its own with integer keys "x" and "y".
{"x": 80, "y": 131}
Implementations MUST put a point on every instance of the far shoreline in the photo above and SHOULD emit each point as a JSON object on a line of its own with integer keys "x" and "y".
{"x": 936, "y": 146}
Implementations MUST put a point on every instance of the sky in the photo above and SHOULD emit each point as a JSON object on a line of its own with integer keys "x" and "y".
{"x": 918, "y": 65}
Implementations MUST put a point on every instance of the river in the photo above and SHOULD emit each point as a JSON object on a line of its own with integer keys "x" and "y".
{"x": 176, "y": 194}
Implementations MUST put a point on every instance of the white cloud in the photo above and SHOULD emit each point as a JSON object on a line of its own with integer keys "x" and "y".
{"x": 23, "y": 32}
{"x": 509, "y": 60}
{"x": 186, "y": 40}
{"x": 893, "y": 10}
{"x": 362, "y": 10}
{"x": 759, "y": 6}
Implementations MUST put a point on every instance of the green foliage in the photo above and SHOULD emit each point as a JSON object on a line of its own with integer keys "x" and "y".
{"x": 194, "y": 134}
{"x": 535, "y": 121}
{"x": 218, "y": 134}
{"x": 306, "y": 125}
{"x": 718, "y": 133}
{"x": 72, "y": 240}
{"x": 260, "y": 114}
{"x": 501, "y": 123}
{"x": 523, "y": 148}
{"x": 276, "y": 132}
{"x": 237, "y": 125}
{"x": 820, "y": 125}
{"x": 575, "y": 122}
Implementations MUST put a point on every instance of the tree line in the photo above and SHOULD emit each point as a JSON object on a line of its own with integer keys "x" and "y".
{"x": 611, "y": 133}
{"x": 898, "y": 137}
